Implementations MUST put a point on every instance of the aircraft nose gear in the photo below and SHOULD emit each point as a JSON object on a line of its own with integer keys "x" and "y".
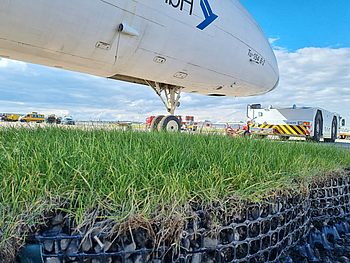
{"x": 170, "y": 96}
{"x": 170, "y": 124}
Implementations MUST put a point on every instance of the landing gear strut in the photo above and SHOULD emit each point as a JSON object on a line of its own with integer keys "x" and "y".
{"x": 170, "y": 96}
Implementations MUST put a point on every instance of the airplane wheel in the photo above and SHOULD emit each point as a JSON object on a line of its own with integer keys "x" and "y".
{"x": 170, "y": 124}
{"x": 155, "y": 122}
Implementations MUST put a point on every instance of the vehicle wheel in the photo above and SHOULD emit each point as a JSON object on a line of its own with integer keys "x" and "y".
{"x": 155, "y": 122}
{"x": 170, "y": 124}
{"x": 334, "y": 133}
{"x": 318, "y": 128}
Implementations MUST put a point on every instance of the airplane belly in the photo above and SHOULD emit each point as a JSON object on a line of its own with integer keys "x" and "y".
{"x": 218, "y": 60}
{"x": 213, "y": 48}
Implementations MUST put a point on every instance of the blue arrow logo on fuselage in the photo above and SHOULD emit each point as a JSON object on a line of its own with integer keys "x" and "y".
{"x": 208, "y": 14}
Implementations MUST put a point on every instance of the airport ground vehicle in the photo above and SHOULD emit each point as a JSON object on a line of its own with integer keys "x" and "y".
{"x": 310, "y": 122}
{"x": 149, "y": 121}
{"x": 11, "y": 117}
{"x": 214, "y": 48}
{"x": 53, "y": 119}
{"x": 33, "y": 117}
{"x": 67, "y": 120}
{"x": 344, "y": 134}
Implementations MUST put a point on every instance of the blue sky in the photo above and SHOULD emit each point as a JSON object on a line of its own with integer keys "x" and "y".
{"x": 303, "y": 23}
{"x": 311, "y": 40}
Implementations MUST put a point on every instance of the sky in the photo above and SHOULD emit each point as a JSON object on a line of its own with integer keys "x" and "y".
{"x": 298, "y": 23}
{"x": 311, "y": 40}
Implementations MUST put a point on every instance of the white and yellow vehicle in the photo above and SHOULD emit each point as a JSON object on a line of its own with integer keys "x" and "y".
{"x": 33, "y": 117}
{"x": 309, "y": 122}
{"x": 344, "y": 134}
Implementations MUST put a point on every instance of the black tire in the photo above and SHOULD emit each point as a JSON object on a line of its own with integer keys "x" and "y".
{"x": 170, "y": 124}
{"x": 334, "y": 134}
{"x": 155, "y": 122}
{"x": 318, "y": 129}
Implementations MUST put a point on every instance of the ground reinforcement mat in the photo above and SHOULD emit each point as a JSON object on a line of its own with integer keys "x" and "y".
{"x": 310, "y": 228}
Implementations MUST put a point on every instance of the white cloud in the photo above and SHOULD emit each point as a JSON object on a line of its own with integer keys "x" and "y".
{"x": 273, "y": 40}
{"x": 313, "y": 76}
{"x": 309, "y": 77}
{"x": 12, "y": 65}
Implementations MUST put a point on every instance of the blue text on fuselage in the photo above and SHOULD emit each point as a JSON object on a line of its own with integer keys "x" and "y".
{"x": 208, "y": 13}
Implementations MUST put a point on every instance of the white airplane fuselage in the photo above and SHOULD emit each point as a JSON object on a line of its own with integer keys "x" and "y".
{"x": 211, "y": 47}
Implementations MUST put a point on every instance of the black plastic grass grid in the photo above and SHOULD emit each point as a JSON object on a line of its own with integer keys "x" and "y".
{"x": 330, "y": 200}
{"x": 262, "y": 233}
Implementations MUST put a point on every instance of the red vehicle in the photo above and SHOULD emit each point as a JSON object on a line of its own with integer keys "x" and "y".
{"x": 149, "y": 121}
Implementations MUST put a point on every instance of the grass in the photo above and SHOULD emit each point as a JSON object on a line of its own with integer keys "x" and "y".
{"x": 138, "y": 173}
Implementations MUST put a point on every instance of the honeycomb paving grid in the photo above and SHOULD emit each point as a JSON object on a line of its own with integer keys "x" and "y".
{"x": 265, "y": 232}
{"x": 262, "y": 233}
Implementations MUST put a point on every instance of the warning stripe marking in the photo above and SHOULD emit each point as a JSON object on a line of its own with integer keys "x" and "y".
{"x": 285, "y": 129}
{"x": 298, "y": 130}
{"x": 288, "y": 130}
{"x": 279, "y": 129}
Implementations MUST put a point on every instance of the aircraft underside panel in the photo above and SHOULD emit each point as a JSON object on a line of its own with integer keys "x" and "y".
{"x": 206, "y": 46}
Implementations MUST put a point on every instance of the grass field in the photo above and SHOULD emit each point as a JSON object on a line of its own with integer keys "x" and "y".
{"x": 129, "y": 174}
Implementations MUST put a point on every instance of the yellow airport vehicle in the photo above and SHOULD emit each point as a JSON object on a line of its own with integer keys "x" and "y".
{"x": 344, "y": 134}
{"x": 33, "y": 117}
{"x": 11, "y": 117}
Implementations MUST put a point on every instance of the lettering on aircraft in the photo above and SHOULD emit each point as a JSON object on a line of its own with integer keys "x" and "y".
{"x": 209, "y": 16}
{"x": 256, "y": 57}
{"x": 180, "y": 4}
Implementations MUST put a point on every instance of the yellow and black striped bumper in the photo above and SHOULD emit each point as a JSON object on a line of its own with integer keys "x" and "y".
{"x": 298, "y": 130}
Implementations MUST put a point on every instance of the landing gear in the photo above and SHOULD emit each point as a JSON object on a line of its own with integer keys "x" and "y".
{"x": 170, "y": 124}
{"x": 170, "y": 96}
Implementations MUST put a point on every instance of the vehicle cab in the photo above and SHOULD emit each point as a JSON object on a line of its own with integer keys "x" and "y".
{"x": 33, "y": 117}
